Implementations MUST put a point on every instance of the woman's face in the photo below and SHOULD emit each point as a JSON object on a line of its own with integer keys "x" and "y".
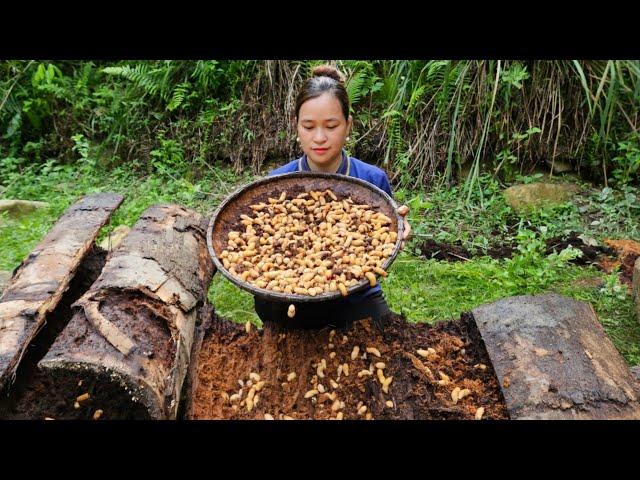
{"x": 322, "y": 130}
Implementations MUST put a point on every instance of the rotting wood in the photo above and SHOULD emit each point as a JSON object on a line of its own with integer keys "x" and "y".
{"x": 191, "y": 381}
{"x": 636, "y": 287}
{"x": 136, "y": 323}
{"x": 40, "y": 281}
{"x": 554, "y": 360}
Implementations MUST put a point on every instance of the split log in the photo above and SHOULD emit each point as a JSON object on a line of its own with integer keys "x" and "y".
{"x": 554, "y": 360}
{"x": 129, "y": 343}
{"x": 41, "y": 280}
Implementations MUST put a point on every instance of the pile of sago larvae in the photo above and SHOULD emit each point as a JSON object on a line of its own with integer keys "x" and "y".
{"x": 312, "y": 244}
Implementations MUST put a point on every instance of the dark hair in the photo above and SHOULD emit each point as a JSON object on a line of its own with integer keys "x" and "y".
{"x": 325, "y": 78}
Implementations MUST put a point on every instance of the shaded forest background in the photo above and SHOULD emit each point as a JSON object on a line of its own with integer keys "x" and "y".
{"x": 419, "y": 120}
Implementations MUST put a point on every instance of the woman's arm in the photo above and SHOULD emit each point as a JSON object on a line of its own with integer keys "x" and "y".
{"x": 403, "y": 210}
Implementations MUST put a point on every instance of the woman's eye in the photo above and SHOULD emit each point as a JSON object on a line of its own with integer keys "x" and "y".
{"x": 331, "y": 127}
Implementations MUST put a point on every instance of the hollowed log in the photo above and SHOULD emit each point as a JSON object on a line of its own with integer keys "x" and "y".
{"x": 128, "y": 345}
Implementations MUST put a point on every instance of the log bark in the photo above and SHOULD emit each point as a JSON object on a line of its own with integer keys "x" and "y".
{"x": 554, "y": 360}
{"x": 130, "y": 340}
{"x": 40, "y": 281}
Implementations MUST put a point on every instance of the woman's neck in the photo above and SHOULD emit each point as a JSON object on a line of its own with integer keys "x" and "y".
{"x": 331, "y": 167}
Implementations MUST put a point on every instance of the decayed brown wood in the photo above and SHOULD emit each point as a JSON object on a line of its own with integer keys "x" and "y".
{"x": 554, "y": 360}
{"x": 135, "y": 326}
{"x": 43, "y": 277}
{"x": 636, "y": 287}
{"x": 205, "y": 317}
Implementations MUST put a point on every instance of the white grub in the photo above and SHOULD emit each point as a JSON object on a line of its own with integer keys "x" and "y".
{"x": 373, "y": 351}
{"x": 354, "y": 352}
{"x": 311, "y": 393}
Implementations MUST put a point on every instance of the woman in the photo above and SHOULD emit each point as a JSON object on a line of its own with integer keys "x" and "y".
{"x": 323, "y": 123}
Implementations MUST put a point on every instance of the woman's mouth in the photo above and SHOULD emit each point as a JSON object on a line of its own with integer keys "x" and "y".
{"x": 320, "y": 151}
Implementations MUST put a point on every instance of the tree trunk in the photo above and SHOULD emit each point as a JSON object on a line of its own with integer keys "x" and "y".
{"x": 129, "y": 343}
{"x": 44, "y": 276}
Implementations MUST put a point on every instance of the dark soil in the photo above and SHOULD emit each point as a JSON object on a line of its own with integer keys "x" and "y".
{"x": 431, "y": 249}
{"x": 229, "y": 355}
{"x": 589, "y": 254}
{"x": 53, "y": 397}
{"x": 456, "y": 252}
{"x": 626, "y": 269}
{"x": 501, "y": 251}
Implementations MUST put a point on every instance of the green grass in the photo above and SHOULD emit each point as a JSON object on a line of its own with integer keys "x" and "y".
{"x": 232, "y": 302}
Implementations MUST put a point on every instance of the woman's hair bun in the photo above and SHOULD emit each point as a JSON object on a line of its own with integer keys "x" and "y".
{"x": 328, "y": 71}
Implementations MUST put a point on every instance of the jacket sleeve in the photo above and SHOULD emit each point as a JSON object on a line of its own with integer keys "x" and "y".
{"x": 383, "y": 183}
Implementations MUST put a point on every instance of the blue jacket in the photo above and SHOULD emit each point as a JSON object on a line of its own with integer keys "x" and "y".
{"x": 354, "y": 168}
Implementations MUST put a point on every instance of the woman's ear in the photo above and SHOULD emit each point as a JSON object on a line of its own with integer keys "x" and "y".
{"x": 349, "y": 124}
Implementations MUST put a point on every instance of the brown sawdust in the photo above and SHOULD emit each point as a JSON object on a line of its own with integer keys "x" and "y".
{"x": 229, "y": 354}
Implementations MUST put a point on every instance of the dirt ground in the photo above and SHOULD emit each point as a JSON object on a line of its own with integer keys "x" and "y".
{"x": 431, "y": 249}
{"x": 626, "y": 253}
{"x": 289, "y": 362}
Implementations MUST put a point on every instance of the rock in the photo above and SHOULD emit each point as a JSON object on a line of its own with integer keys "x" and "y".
{"x": 20, "y": 207}
{"x": 636, "y": 287}
{"x": 115, "y": 237}
{"x": 636, "y": 371}
{"x": 4, "y": 280}
{"x": 554, "y": 360}
{"x": 521, "y": 197}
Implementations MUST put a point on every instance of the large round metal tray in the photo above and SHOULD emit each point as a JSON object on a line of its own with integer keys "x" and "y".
{"x": 225, "y": 218}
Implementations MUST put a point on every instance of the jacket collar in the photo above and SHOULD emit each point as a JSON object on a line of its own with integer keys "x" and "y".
{"x": 343, "y": 169}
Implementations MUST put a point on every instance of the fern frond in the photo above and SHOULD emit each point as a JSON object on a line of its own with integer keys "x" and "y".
{"x": 416, "y": 96}
{"x": 178, "y": 96}
{"x": 355, "y": 86}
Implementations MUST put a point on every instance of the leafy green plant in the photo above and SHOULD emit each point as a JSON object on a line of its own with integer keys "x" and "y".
{"x": 168, "y": 158}
{"x": 530, "y": 270}
{"x": 419, "y": 119}
{"x": 507, "y": 158}
{"x": 627, "y": 162}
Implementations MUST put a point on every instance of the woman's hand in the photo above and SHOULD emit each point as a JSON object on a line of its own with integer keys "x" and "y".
{"x": 403, "y": 210}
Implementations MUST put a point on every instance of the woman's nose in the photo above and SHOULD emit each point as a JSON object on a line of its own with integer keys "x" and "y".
{"x": 319, "y": 135}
